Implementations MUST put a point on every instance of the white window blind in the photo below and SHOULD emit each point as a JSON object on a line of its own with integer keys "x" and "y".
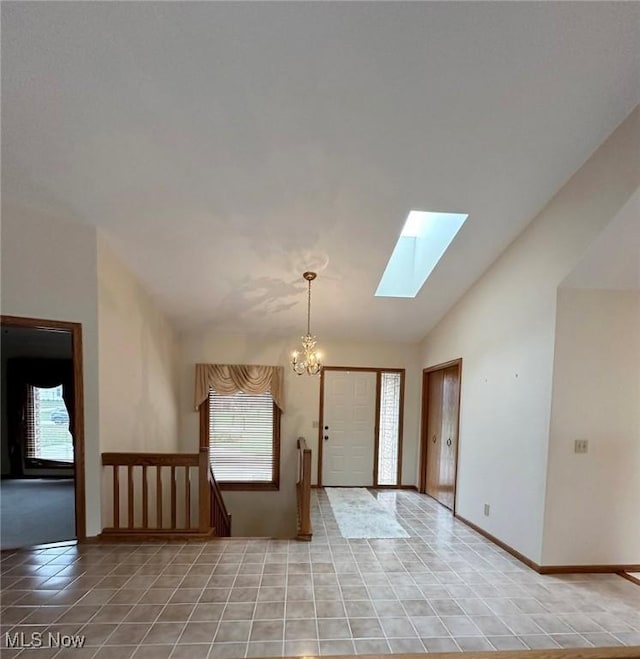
{"x": 241, "y": 437}
{"x": 48, "y": 436}
{"x": 389, "y": 429}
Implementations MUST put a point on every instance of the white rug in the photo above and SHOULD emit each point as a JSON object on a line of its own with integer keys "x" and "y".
{"x": 360, "y": 515}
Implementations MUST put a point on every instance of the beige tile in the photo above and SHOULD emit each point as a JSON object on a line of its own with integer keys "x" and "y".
{"x": 365, "y": 628}
{"x": 153, "y": 652}
{"x": 206, "y": 612}
{"x": 301, "y": 648}
{"x": 164, "y": 632}
{"x": 128, "y": 634}
{"x": 330, "y": 609}
{"x": 300, "y": 630}
{"x": 191, "y": 651}
{"x": 371, "y": 646}
{"x": 264, "y": 649}
{"x": 233, "y": 632}
{"x": 334, "y": 628}
{"x": 299, "y": 610}
{"x": 267, "y": 630}
{"x": 269, "y": 610}
{"x": 341, "y": 647}
{"x": 201, "y": 632}
{"x": 176, "y": 613}
{"x": 227, "y": 650}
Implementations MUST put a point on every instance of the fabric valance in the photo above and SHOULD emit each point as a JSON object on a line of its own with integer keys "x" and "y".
{"x": 230, "y": 379}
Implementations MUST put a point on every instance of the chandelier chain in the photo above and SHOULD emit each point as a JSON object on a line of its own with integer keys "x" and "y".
{"x": 309, "y": 308}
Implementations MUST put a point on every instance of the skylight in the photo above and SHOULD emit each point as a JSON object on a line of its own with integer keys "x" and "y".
{"x": 423, "y": 240}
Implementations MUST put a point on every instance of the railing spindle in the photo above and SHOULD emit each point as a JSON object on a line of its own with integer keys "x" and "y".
{"x": 145, "y": 499}
{"x": 130, "y": 494}
{"x": 159, "y": 496}
{"x": 187, "y": 497}
{"x": 116, "y": 496}
{"x": 173, "y": 497}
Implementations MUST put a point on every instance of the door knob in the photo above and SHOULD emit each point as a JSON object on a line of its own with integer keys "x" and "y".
{"x": 449, "y": 441}
{"x": 434, "y": 439}
{"x": 326, "y": 437}
{"x": 326, "y": 427}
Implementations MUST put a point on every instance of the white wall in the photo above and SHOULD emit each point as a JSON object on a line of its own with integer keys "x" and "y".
{"x": 138, "y": 363}
{"x": 273, "y": 513}
{"x": 593, "y": 499}
{"x": 504, "y": 329}
{"x": 49, "y": 272}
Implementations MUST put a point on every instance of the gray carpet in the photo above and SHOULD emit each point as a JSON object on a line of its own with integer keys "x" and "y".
{"x": 36, "y": 511}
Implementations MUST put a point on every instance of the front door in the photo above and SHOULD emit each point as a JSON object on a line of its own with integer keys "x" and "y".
{"x": 349, "y": 421}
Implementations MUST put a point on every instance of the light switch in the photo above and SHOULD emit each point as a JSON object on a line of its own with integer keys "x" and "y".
{"x": 315, "y": 424}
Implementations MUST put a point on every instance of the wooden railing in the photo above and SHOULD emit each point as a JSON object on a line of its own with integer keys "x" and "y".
{"x": 154, "y": 494}
{"x": 303, "y": 491}
{"x": 220, "y": 518}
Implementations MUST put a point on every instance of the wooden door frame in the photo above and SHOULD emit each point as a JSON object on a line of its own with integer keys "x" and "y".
{"x": 424, "y": 444}
{"x": 376, "y": 446}
{"x": 75, "y": 329}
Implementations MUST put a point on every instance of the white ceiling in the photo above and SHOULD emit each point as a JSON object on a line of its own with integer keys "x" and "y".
{"x": 612, "y": 261}
{"x": 226, "y": 147}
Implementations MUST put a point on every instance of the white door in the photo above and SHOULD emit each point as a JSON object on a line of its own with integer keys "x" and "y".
{"x": 349, "y": 421}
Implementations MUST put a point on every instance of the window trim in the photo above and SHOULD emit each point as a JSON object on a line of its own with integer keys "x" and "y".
{"x": 272, "y": 485}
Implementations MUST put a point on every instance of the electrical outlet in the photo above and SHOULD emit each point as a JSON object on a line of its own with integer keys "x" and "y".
{"x": 581, "y": 446}
{"x": 487, "y": 508}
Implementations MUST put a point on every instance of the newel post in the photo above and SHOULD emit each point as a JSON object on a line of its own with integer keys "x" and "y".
{"x": 204, "y": 495}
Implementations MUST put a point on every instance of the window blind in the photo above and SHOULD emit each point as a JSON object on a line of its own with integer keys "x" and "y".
{"x": 47, "y": 426}
{"x": 32, "y": 426}
{"x": 241, "y": 437}
{"x": 389, "y": 429}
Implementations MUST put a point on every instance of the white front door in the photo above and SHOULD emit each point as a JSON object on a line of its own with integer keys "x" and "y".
{"x": 349, "y": 421}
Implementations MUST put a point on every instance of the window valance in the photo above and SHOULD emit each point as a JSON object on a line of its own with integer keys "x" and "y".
{"x": 230, "y": 379}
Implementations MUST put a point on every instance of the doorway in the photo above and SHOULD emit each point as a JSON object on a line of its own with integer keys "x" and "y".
{"x": 360, "y": 427}
{"x": 43, "y": 494}
{"x": 440, "y": 430}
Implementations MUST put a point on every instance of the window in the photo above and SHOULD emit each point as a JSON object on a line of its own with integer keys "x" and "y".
{"x": 48, "y": 436}
{"x": 389, "y": 433}
{"x": 244, "y": 440}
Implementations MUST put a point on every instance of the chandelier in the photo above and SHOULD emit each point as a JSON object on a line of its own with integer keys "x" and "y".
{"x": 309, "y": 361}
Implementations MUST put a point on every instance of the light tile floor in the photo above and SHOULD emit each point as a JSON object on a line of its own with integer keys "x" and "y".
{"x": 444, "y": 588}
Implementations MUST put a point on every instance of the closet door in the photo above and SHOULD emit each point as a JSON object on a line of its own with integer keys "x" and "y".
{"x": 441, "y": 398}
{"x": 449, "y": 444}
{"x": 434, "y": 432}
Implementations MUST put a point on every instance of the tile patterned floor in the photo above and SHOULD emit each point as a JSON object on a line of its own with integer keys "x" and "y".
{"x": 444, "y": 588}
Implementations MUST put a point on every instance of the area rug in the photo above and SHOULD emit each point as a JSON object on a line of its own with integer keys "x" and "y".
{"x": 359, "y": 514}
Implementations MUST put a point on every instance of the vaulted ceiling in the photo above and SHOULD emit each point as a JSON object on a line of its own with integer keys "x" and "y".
{"x": 224, "y": 148}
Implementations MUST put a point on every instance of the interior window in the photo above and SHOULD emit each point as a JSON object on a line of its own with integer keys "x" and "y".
{"x": 48, "y": 436}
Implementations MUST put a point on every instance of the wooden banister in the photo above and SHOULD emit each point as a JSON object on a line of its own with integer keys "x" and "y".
{"x": 303, "y": 491}
{"x": 151, "y": 459}
{"x": 145, "y": 517}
